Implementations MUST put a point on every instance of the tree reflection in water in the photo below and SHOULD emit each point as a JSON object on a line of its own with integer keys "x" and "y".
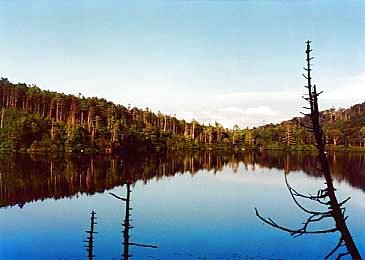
{"x": 25, "y": 178}
{"x": 90, "y": 238}
{"x": 127, "y": 226}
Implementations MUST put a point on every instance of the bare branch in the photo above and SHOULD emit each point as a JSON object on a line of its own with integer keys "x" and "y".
{"x": 344, "y": 201}
{"x": 142, "y": 245}
{"x": 342, "y": 255}
{"x": 294, "y": 194}
{"x": 305, "y": 98}
{"x": 339, "y": 244}
{"x": 293, "y": 232}
{"x": 117, "y": 197}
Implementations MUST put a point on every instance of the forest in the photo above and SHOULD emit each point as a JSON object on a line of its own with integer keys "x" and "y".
{"x": 36, "y": 120}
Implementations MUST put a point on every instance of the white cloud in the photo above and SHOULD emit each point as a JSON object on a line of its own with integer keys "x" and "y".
{"x": 351, "y": 89}
{"x": 261, "y": 95}
{"x": 232, "y": 109}
{"x": 262, "y": 110}
{"x": 232, "y": 115}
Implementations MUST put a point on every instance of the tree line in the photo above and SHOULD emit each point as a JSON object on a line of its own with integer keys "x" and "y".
{"x": 342, "y": 129}
{"x": 32, "y": 119}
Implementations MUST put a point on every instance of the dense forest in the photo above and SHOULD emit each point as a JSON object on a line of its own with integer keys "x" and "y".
{"x": 34, "y": 120}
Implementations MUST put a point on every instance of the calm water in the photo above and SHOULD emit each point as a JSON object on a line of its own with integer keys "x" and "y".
{"x": 192, "y": 206}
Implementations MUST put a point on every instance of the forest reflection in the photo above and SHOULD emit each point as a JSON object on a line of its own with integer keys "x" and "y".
{"x": 25, "y": 178}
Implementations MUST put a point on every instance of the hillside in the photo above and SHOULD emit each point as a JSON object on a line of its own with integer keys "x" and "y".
{"x": 38, "y": 120}
{"x": 343, "y": 128}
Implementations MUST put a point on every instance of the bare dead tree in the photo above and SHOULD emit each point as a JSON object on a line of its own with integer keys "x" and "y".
{"x": 326, "y": 196}
{"x": 127, "y": 225}
{"x": 90, "y": 239}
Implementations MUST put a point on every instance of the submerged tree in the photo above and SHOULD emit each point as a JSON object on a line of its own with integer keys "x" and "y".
{"x": 326, "y": 196}
{"x": 90, "y": 239}
{"x": 127, "y": 225}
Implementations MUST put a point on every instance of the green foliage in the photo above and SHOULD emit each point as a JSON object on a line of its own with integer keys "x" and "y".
{"x": 35, "y": 120}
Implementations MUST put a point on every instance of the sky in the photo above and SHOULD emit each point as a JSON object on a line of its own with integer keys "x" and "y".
{"x": 234, "y": 62}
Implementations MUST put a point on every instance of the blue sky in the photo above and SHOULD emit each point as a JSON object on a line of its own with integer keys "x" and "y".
{"x": 235, "y": 62}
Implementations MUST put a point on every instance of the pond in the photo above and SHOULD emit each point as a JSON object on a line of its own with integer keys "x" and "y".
{"x": 183, "y": 205}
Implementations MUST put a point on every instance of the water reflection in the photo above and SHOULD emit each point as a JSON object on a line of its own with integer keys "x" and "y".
{"x": 26, "y": 178}
{"x": 127, "y": 226}
{"x": 90, "y": 238}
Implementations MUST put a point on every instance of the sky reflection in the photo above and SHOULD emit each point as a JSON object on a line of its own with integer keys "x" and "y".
{"x": 208, "y": 214}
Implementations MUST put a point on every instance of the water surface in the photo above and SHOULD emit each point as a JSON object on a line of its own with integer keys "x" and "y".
{"x": 192, "y": 206}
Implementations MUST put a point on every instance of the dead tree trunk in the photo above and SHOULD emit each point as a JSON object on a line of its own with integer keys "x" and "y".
{"x": 326, "y": 196}
{"x": 337, "y": 210}
{"x": 90, "y": 239}
{"x": 127, "y": 225}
